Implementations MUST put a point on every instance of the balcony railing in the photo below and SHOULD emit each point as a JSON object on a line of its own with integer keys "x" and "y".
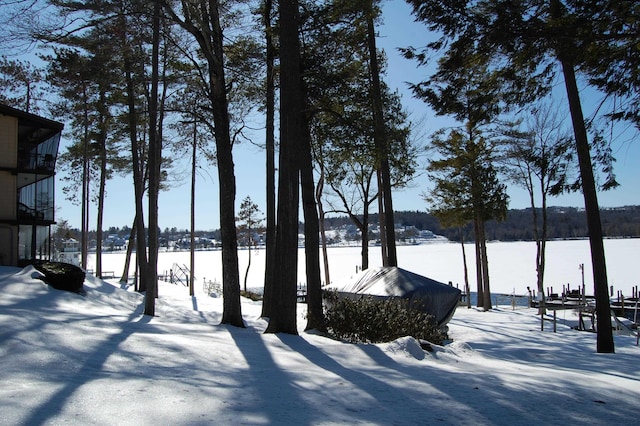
{"x": 29, "y": 214}
{"x": 43, "y": 163}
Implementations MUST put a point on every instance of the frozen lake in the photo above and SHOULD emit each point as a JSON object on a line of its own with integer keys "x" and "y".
{"x": 511, "y": 264}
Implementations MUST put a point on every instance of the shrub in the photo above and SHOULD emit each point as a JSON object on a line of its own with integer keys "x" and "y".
{"x": 62, "y": 276}
{"x": 375, "y": 320}
{"x": 251, "y": 295}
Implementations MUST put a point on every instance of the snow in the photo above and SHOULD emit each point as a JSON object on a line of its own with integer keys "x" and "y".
{"x": 96, "y": 360}
{"x": 511, "y": 264}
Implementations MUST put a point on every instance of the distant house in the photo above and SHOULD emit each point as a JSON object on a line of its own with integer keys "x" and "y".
{"x": 28, "y": 152}
{"x": 114, "y": 242}
{"x": 70, "y": 252}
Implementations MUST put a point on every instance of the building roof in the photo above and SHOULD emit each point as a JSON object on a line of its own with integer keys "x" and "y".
{"x": 32, "y": 129}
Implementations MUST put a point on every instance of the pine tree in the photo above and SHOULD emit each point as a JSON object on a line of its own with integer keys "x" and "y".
{"x": 249, "y": 219}
{"x": 292, "y": 131}
{"x": 466, "y": 188}
{"x": 202, "y": 19}
{"x": 525, "y": 42}
{"x": 20, "y": 85}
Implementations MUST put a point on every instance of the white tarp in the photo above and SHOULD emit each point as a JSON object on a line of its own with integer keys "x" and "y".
{"x": 433, "y": 297}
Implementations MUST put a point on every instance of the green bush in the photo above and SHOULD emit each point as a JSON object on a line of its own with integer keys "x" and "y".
{"x": 251, "y": 295}
{"x": 375, "y": 320}
{"x": 62, "y": 276}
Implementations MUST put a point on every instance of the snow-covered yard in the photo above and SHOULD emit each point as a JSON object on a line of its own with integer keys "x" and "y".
{"x": 95, "y": 359}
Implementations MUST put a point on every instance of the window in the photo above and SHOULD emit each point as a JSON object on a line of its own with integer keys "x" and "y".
{"x": 25, "y": 242}
{"x": 36, "y": 201}
{"x": 34, "y": 242}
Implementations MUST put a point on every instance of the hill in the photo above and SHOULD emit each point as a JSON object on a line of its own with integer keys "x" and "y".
{"x": 563, "y": 223}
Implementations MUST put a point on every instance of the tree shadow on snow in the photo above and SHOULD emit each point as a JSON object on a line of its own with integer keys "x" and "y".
{"x": 89, "y": 370}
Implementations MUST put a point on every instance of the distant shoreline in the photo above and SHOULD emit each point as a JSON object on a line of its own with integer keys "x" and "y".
{"x": 511, "y": 264}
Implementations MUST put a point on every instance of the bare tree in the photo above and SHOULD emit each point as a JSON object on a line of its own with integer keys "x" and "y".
{"x": 541, "y": 160}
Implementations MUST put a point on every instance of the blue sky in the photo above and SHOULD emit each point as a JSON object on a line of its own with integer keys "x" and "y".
{"x": 398, "y": 30}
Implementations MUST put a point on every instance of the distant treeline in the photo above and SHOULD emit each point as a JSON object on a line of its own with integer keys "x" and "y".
{"x": 562, "y": 222}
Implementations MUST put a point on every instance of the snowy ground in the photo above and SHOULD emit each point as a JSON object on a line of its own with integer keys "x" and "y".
{"x": 69, "y": 359}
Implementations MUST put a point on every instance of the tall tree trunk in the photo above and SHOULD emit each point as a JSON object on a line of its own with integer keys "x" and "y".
{"x": 232, "y": 311}
{"x": 381, "y": 222}
{"x": 486, "y": 290}
{"x": 283, "y": 313}
{"x": 202, "y": 20}
{"x": 381, "y": 141}
{"x": 479, "y": 272}
{"x": 538, "y": 240}
{"x": 315, "y": 318}
{"x": 141, "y": 248}
{"x": 137, "y": 165}
{"x": 541, "y": 253}
{"x": 364, "y": 238}
{"x": 323, "y": 236}
{"x": 100, "y": 212}
{"x": 85, "y": 190}
{"x": 127, "y": 260}
{"x": 466, "y": 269}
{"x": 192, "y": 233}
{"x": 155, "y": 158}
{"x": 246, "y": 272}
{"x": 102, "y": 183}
{"x": 604, "y": 340}
{"x": 270, "y": 164}
{"x": 543, "y": 242}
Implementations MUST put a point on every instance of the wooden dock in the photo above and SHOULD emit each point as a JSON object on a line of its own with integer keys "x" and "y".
{"x": 585, "y": 306}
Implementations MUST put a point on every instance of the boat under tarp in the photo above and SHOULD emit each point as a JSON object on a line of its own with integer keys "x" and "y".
{"x": 433, "y": 297}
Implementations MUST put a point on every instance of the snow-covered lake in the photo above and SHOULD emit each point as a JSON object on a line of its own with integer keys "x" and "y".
{"x": 511, "y": 264}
